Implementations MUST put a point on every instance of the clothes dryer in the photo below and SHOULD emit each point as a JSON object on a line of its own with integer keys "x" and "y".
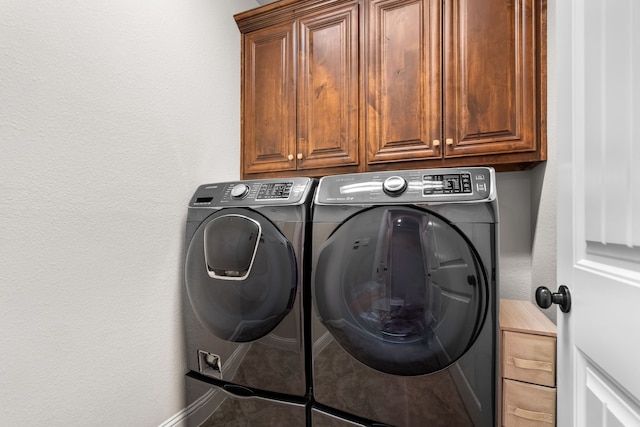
{"x": 405, "y": 297}
{"x": 244, "y": 295}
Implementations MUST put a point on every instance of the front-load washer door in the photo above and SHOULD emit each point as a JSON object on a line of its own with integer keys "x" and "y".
{"x": 401, "y": 289}
{"x": 240, "y": 274}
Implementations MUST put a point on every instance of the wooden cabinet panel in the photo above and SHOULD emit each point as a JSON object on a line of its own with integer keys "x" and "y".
{"x": 457, "y": 84}
{"x": 301, "y": 88}
{"x": 490, "y": 103}
{"x": 342, "y": 86}
{"x": 328, "y": 89}
{"x": 527, "y": 366}
{"x": 269, "y": 100}
{"x": 528, "y": 405}
{"x": 404, "y": 99}
{"x": 529, "y": 358}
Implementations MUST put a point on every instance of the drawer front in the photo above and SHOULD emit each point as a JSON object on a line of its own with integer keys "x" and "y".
{"x": 528, "y": 405}
{"x": 530, "y": 358}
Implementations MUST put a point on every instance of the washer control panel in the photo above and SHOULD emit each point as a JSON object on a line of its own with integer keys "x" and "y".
{"x": 412, "y": 186}
{"x": 278, "y": 191}
{"x": 452, "y": 183}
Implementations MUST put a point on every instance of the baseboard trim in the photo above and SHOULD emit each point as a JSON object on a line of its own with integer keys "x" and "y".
{"x": 196, "y": 413}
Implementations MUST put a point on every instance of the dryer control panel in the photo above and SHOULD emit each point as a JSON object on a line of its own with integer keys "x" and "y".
{"x": 412, "y": 186}
{"x": 277, "y": 191}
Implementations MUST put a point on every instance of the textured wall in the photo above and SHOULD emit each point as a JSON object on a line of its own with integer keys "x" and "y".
{"x": 514, "y": 204}
{"x": 111, "y": 113}
{"x": 527, "y": 204}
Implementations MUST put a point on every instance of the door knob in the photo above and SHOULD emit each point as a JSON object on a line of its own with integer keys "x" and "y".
{"x": 544, "y": 298}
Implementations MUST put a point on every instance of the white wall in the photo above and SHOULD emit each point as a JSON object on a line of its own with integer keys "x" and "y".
{"x": 514, "y": 204}
{"x": 111, "y": 113}
{"x": 527, "y": 208}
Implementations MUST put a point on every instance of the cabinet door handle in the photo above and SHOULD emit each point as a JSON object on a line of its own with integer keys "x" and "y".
{"x": 449, "y": 142}
{"x": 537, "y": 365}
{"x": 436, "y": 143}
{"x": 530, "y": 415}
{"x": 299, "y": 156}
{"x": 290, "y": 157}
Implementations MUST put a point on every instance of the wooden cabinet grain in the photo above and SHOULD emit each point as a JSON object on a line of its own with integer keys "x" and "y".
{"x": 339, "y": 86}
{"x": 403, "y": 86}
{"x": 300, "y": 88}
{"x": 527, "y": 380}
{"x": 455, "y": 83}
{"x": 269, "y": 104}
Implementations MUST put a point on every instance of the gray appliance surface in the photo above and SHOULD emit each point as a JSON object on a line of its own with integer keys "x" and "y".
{"x": 405, "y": 296}
{"x": 320, "y": 417}
{"x": 243, "y": 293}
{"x": 212, "y": 406}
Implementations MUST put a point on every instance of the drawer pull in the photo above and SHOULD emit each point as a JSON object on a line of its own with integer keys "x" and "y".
{"x": 530, "y": 415}
{"x": 531, "y": 364}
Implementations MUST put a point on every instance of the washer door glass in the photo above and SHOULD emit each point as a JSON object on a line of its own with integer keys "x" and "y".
{"x": 401, "y": 289}
{"x": 240, "y": 274}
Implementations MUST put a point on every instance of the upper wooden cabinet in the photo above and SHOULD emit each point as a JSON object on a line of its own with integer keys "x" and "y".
{"x": 403, "y": 80}
{"x": 354, "y": 85}
{"x": 454, "y": 83}
{"x": 300, "y": 88}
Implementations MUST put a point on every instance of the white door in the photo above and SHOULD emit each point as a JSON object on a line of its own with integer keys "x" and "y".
{"x": 597, "y": 131}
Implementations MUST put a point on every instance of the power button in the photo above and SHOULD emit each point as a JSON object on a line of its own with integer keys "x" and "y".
{"x": 394, "y": 185}
{"x": 239, "y": 191}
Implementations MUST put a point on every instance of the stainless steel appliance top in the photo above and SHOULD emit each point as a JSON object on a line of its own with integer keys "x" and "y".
{"x": 263, "y": 192}
{"x": 444, "y": 185}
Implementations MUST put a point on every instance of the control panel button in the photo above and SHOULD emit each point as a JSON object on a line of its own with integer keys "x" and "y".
{"x": 239, "y": 191}
{"x": 447, "y": 184}
{"x": 273, "y": 191}
{"x": 394, "y": 185}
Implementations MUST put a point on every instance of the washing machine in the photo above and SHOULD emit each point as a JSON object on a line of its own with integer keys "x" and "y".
{"x": 244, "y": 312}
{"x": 405, "y": 298}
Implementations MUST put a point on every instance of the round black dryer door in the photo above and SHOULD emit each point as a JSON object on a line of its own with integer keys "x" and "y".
{"x": 401, "y": 289}
{"x": 240, "y": 274}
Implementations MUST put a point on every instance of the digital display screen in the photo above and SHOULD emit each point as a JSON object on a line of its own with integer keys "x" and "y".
{"x": 446, "y": 184}
{"x": 204, "y": 200}
{"x": 275, "y": 191}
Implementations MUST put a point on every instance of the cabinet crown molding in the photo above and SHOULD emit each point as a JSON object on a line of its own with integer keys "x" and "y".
{"x": 282, "y": 11}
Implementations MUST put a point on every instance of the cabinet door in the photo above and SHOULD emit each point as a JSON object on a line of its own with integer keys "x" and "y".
{"x": 403, "y": 80}
{"x": 269, "y": 96}
{"x": 328, "y": 89}
{"x": 491, "y": 80}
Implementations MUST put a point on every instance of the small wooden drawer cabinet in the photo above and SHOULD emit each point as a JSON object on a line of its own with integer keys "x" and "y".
{"x": 527, "y": 366}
